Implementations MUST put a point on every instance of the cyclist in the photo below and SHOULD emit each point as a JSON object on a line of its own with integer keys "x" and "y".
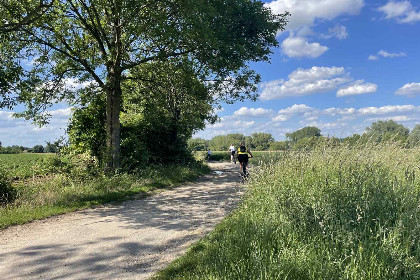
{"x": 232, "y": 152}
{"x": 208, "y": 157}
{"x": 243, "y": 152}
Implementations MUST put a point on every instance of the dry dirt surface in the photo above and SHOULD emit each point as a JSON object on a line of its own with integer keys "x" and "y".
{"x": 131, "y": 240}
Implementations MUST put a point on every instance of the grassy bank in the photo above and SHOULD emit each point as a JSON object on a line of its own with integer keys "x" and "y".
{"x": 75, "y": 187}
{"x": 327, "y": 214}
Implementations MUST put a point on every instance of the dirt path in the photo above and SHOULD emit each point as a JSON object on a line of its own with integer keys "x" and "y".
{"x": 127, "y": 241}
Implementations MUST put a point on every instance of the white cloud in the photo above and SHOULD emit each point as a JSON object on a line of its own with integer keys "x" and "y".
{"x": 316, "y": 73}
{"x": 401, "y": 11}
{"x": 410, "y": 90}
{"x": 66, "y": 113}
{"x": 306, "y": 12}
{"x": 304, "y": 82}
{"x": 219, "y": 125}
{"x": 390, "y": 55}
{"x": 218, "y": 110}
{"x": 386, "y": 55}
{"x": 322, "y": 125}
{"x": 310, "y": 113}
{"x": 6, "y": 116}
{"x": 20, "y": 132}
{"x": 304, "y": 32}
{"x": 396, "y": 9}
{"x": 252, "y": 112}
{"x": 339, "y": 31}
{"x": 339, "y": 111}
{"x": 393, "y": 118}
{"x": 244, "y": 124}
{"x": 300, "y": 47}
{"x": 339, "y": 122}
{"x": 296, "y": 109}
{"x": 226, "y": 125}
{"x": 280, "y": 118}
{"x": 411, "y": 17}
{"x": 359, "y": 87}
{"x": 390, "y": 109}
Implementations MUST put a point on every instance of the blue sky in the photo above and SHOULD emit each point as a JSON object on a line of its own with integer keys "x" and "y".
{"x": 341, "y": 65}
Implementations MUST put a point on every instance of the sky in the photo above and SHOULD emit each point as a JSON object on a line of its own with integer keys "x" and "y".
{"x": 340, "y": 66}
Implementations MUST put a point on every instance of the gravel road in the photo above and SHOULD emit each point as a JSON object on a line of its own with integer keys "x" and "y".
{"x": 131, "y": 240}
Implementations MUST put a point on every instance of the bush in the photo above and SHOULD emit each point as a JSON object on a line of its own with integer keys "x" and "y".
{"x": 279, "y": 146}
{"x": 216, "y": 156}
{"x": 7, "y": 192}
{"x": 308, "y": 143}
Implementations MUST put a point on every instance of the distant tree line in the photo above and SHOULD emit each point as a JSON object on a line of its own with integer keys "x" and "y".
{"x": 309, "y": 137}
{"x": 257, "y": 141}
{"x": 15, "y": 149}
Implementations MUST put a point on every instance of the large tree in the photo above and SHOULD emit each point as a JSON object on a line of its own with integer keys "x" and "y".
{"x": 387, "y": 130}
{"x": 306, "y": 132}
{"x": 99, "y": 42}
{"x": 414, "y": 137}
{"x": 261, "y": 141}
{"x": 198, "y": 144}
{"x": 13, "y": 16}
{"x": 164, "y": 103}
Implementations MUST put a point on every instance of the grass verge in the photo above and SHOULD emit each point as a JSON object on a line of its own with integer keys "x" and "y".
{"x": 64, "y": 192}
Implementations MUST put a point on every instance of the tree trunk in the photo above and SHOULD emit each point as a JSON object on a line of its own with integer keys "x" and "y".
{"x": 113, "y": 109}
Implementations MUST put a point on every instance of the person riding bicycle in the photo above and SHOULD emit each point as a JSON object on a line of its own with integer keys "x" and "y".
{"x": 208, "y": 156}
{"x": 232, "y": 152}
{"x": 243, "y": 152}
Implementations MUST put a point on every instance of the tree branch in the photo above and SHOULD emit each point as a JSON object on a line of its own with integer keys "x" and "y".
{"x": 69, "y": 53}
{"x": 155, "y": 57}
{"x": 30, "y": 18}
{"x": 91, "y": 29}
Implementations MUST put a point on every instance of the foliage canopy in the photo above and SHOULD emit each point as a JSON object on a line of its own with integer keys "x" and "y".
{"x": 100, "y": 43}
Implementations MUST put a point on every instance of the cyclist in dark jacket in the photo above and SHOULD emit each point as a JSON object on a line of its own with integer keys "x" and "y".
{"x": 243, "y": 152}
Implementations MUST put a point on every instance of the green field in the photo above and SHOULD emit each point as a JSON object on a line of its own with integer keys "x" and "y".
{"x": 330, "y": 213}
{"x": 25, "y": 165}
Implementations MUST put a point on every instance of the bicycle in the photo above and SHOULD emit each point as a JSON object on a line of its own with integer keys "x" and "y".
{"x": 232, "y": 157}
{"x": 232, "y": 153}
{"x": 208, "y": 155}
{"x": 244, "y": 173}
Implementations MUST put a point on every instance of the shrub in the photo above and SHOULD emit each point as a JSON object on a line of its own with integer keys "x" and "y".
{"x": 7, "y": 192}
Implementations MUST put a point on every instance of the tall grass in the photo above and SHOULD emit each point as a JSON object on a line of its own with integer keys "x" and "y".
{"x": 331, "y": 213}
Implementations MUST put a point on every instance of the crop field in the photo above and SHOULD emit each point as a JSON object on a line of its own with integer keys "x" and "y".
{"x": 329, "y": 213}
{"x": 21, "y": 166}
